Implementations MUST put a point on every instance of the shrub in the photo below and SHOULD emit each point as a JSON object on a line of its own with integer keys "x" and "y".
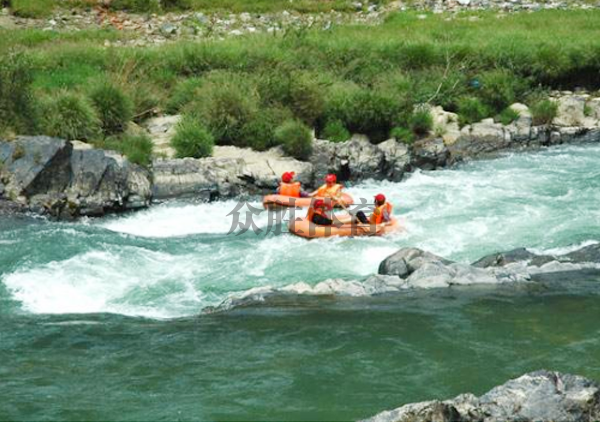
{"x": 137, "y": 148}
{"x": 183, "y": 94}
{"x": 296, "y": 139}
{"x": 307, "y": 100}
{"x": 471, "y": 110}
{"x": 543, "y": 112}
{"x": 403, "y": 135}
{"x": 32, "y": 8}
{"x": 421, "y": 121}
{"x": 259, "y": 132}
{"x": 16, "y": 106}
{"x": 335, "y": 131}
{"x": 507, "y": 116}
{"x": 113, "y": 107}
{"x": 500, "y": 88}
{"x": 70, "y": 116}
{"x": 192, "y": 139}
{"x": 224, "y": 104}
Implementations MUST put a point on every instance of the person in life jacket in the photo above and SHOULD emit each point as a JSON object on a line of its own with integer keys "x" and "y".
{"x": 331, "y": 189}
{"x": 381, "y": 214}
{"x": 318, "y": 212}
{"x": 289, "y": 187}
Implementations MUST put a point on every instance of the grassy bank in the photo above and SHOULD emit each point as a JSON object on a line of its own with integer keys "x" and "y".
{"x": 349, "y": 78}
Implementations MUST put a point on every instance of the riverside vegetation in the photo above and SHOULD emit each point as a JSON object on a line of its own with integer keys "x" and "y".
{"x": 248, "y": 91}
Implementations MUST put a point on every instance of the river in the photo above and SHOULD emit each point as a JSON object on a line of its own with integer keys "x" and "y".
{"x": 102, "y": 318}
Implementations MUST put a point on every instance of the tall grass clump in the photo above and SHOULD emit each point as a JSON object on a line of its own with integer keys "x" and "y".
{"x": 192, "y": 139}
{"x": 259, "y": 132}
{"x": 507, "y": 116}
{"x": 296, "y": 139}
{"x": 471, "y": 110}
{"x": 148, "y": 6}
{"x": 32, "y": 8}
{"x": 183, "y": 94}
{"x": 543, "y": 112}
{"x": 421, "y": 121}
{"x": 137, "y": 148}
{"x": 500, "y": 88}
{"x": 335, "y": 132}
{"x": 113, "y": 107}
{"x": 68, "y": 115}
{"x": 403, "y": 135}
{"x": 17, "y": 112}
{"x": 225, "y": 103}
{"x": 307, "y": 99}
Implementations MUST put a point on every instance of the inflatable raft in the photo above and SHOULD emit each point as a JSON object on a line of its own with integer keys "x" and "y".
{"x": 305, "y": 228}
{"x": 282, "y": 201}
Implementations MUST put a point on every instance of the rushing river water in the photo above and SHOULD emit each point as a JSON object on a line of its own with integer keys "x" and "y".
{"x": 101, "y": 319}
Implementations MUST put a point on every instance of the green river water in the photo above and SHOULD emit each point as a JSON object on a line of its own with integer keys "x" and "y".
{"x": 102, "y": 319}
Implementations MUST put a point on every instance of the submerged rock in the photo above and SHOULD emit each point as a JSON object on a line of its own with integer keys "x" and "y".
{"x": 536, "y": 396}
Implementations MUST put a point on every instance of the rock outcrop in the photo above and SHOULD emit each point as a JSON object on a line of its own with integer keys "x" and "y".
{"x": 536, "y": 396}
{"x": 49, "y": 176}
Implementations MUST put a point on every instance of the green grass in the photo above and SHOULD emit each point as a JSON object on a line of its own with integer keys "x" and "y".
{"x": 366, "y": 79}
{"x": 32, "y": 8}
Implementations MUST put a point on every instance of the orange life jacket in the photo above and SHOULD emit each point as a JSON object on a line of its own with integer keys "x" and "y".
{"x": 377, "y": 216}
{"x": 329, "y": 192}
{"x": 290, "y": 189}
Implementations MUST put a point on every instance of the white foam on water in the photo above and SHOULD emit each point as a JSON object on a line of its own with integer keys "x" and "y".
{"x": 172, "y": 219}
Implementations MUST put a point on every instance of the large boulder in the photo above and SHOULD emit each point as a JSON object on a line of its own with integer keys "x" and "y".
{"x": 355, "y": 159}
{"x": 429, "y": 154}
{"x": 48, "y": 175}
{"x": 446, "y": 123}
{"x": 263, "y": 170}
{"x": 207, "y": 178}
{"x": 536, "y": 396}
{"x": 396, "y": 159}
{"x": 480, "y": 139}
{"x": 521, "y": 129}
{"x": 571, "y": 111}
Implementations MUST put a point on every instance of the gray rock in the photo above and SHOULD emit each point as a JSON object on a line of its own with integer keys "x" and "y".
{"x": 570, "y": 111}
{"x": 408, "y": 260}
{"x": 48, "y": 175}
{"x": 480, "y": 139}
{"x": 168, "y": 29}
{"x": 429, "y": 154}
{"x": 536, "y": 396}
{"x": 396, "y": 160}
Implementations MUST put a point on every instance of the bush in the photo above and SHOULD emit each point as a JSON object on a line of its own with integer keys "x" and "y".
{"x": 335, "y": 132}
{"x": 507, "y": 116}
{"x": 225, "y": 103}
{"x": 70, "y": 116}
{"x": 471, "y": 110}
{"x": 137, "y": 148}
{"x": 421, "y": 121}
{"x": 32, "y": 8}
{"x": 192, "y": 139}
{"x": 403, "y": 135}
{"x": 500, "y": 88}
{"x": 16, "y": 106}
{"x": 296, "y": 139}
{"x": 307, "y": 100}
{"x": 259, "y": 133}
{"x": 113, "y": 107}
{"x": 183, "y": 94}
{"x": 543, "y": 112}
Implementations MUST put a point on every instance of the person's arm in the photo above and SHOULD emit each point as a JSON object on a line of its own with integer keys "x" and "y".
{"x": 386, "y": 216}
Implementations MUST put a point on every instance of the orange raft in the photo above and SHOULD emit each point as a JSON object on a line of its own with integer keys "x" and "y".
{"x": 282, "y": 201}
{"x": 305, "y": 228}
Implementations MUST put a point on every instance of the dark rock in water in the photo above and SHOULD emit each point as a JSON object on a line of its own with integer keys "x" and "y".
{"x": 537, "y": 396}
{"x": 586, "y": 254}
{"x": 48, "y": 176}
{"x": 408, "y": 260}
{"x": 429, "y": 154}
{"x": 501, "y": 259}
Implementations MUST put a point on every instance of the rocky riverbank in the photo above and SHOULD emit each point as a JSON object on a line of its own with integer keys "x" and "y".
{"x": 70, "y": 179}
{"x": 536, "y": 396}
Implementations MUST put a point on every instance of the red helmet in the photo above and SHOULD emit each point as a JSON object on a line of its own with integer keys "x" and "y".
{"x": 319, "y": 203}
{"x": 380, "y": 197}
{"x": 287, "y": 177}
{"x": 331, "y": 178}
